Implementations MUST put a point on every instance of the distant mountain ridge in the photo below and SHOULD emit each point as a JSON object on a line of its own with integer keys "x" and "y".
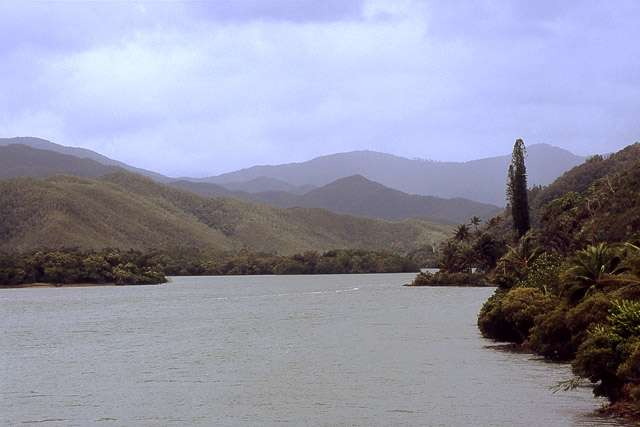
{"x": 18, "y": 160}
{"x": 81, "y": 153}
{"x": 481, "y": 180}
{"x": 263, "y": 183}
{"x": 356, "y": 195}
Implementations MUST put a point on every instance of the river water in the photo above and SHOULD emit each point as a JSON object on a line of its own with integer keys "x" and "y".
{"x": 343, "y": 350}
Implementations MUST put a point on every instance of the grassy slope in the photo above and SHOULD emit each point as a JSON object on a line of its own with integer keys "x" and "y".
{"x": 127, "y": 211}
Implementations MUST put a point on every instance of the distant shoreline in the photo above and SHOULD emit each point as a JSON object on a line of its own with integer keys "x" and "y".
{"x": 70, "y": 285}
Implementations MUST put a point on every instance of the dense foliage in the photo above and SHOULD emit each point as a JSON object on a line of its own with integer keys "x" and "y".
{"x": 441, "y": 278}
{"x": 151, "y": 267}
{"x": 582, "y": 177}
{"x": 77, "y": 267}
{"x": 341, "y": 261}
{"x": 467, "y": 257}
{"x": 569, "y": 289}
{"x": 517, "y": 189}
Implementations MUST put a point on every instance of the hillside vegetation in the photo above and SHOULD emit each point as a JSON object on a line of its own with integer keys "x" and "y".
{"x": 579, "y": 178}
{"x": 126, "y": 211}
{"x": 570, "y": 288}
{"x": 19, "y": 160}
{"x": 79, "y": 153}
{"x": 356, "y": 195}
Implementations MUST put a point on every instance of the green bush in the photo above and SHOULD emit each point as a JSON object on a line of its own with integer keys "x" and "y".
{"x": 551, "y": 336}
{"x": 442, "y": 278}
{"x": 522, "y": 305}
{"x": 598, "y": 359}
{"x": 492, "y": 322}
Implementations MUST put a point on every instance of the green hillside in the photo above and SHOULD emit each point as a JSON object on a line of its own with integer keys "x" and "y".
{"x": 17, "y": 160}
{"x": 126, "y": 211}
{"x": 607, "y": 211}
{"x": 579, "y": 178}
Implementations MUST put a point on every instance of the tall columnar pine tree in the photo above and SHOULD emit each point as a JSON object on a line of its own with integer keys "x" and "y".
{"x": 517, "y": 189}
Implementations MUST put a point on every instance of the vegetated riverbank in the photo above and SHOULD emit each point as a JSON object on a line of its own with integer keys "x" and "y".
{"x": 568, "y": 289}
{"x": 583, "y": 309}
{"x": 74, "y": 268}
{"x": 441, "y": 278}
{"x": 71, "y": 285}
{"x": 118, "y": 268}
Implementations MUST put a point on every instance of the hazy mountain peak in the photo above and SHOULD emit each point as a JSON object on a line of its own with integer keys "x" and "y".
{"x": 481, "y": 180}
{"x": 81, "y": 153}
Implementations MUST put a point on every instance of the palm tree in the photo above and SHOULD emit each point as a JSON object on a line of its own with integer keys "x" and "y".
{"x": 448, "y": 261}
{"x": 632, "y": 259}
{"x": 591, "y": 269}
{"x": 475, "y": 221}
{"x": 448, "y": 264}
{"x": 493, "y": 222}
{"x": 462, "y": 233}
{"x": 489, "y": 251}
{"x": 524, "y": 255}
{"x": 467, "y": 256}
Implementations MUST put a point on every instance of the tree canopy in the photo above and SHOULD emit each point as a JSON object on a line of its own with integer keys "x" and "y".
{"x": 517, "y": 189}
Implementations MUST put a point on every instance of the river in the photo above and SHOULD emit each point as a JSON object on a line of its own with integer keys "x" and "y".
{"x": 337, "y": 350}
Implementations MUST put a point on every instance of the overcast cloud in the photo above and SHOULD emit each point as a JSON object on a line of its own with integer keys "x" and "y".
{"x": 203, "y": 88}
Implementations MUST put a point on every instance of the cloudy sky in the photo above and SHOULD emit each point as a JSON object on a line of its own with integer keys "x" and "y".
{"x": 203, "y": 88}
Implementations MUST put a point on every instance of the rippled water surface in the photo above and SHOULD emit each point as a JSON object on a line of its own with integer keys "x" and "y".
{"x": 355, "y": 350}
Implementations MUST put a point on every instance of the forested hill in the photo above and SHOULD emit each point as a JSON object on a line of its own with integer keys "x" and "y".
{"x": 569, "y": 289}
{"x": 607, "y": 211}
{"x": 40, "y": 169}
{"x": 18, "y": 160}
{"x": 579, "y": 178}
{"x": 356, "y": 195}
{"x": 125, "y": 211}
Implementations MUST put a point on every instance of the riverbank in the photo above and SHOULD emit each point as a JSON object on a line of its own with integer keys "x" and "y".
{"x": 441, "y": 278}
{"x": 70, "y": 285}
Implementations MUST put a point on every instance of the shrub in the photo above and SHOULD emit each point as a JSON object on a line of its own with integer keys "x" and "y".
{"x": 551, "y": 336}
{"x": 522, "y": 305}
{"x": 442, "y": 278}
{"x": 492, "y": 322}
{"x": 598, "y": 359}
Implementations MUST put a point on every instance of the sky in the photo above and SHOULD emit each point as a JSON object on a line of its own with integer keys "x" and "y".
{"x": 203, "y": 88}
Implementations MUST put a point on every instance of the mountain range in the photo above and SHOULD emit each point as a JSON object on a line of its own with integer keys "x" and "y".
{"x": 479, "y": 180}
{"x": 354, "y": 195}
{"x": 123, "y": 210}
{"x": 80, "y": 153}
{"x": 83, "y": 199}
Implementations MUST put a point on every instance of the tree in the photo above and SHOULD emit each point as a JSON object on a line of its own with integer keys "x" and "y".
{"x": 489, "y": 251}
{"x": 523, "y": 255}
{"x": 449, "y": 261}
{"x": 493, "y": 223}
{"x": 475, "y": 221}
{"x": 467, "y": 256}
{"x": 462, "y": 233}
{"x": 517, "y": 189}
{"x": 592, "y": 269}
